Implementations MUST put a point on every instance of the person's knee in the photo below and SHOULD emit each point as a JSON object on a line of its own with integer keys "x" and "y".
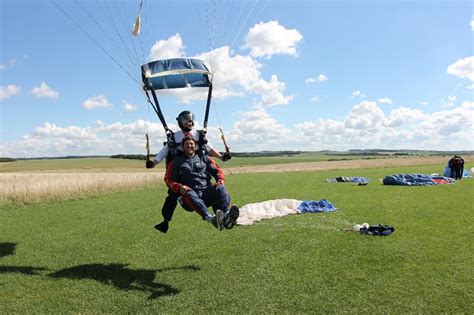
{"x": 223, "y": 194}
{"x": 221, "y": 190}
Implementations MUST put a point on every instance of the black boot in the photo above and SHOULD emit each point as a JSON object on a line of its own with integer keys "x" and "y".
{"x": 162, "y": 227}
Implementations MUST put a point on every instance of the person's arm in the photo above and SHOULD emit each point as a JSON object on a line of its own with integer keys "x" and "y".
{"x": 172, "y": 179}
{"x": 159, "y": 157}
{"x": 215, "y": 171}
{"x": 214, "y": 153}
{"x": 223, "y": 157}
{"x": 210, "y": 149}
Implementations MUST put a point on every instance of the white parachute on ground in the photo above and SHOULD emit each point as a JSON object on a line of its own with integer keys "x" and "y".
{"x": 255, "y": 212}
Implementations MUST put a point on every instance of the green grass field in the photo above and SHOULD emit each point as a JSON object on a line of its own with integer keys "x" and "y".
{"x": 102, "y": 255}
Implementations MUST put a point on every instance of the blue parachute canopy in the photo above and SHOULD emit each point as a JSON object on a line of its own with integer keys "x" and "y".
{"x": 175, "y": 73}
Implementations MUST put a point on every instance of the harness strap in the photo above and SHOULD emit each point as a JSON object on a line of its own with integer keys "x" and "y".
{"x": 202, "y": 142}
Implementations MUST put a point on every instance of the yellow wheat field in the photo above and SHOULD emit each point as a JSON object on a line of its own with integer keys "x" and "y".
{"x": 25, "y": 188}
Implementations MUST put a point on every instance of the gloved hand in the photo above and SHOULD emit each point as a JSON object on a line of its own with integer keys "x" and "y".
{"x": 226, "y": 156}
{"x": 150, "y": 164}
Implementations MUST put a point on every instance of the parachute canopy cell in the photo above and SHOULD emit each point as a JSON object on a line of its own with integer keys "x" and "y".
{"x": 175, "y": 73}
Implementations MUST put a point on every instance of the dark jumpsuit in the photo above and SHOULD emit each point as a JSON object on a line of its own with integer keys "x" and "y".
{"x": 195, "y": 172}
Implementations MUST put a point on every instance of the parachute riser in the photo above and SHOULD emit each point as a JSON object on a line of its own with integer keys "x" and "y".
{"x": 169, "y": 133}
{"x": 208, "y": 106}
{"x": 157, "y": 109}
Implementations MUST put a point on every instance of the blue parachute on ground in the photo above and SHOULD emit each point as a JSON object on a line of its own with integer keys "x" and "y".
{"x": 416, "y": 180}
{"x": 348, "y": 179}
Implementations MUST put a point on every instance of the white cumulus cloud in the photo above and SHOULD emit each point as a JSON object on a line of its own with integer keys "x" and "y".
{"x": 234, "y": 76}
{"x": 268, "y": 39}
{"x": 9, "y": 91}
{"x": 172, "y": 47}
{"x": 99, "y": 101}
{"x": 401, "y": 116}
{"x": 358, "y": 94}
{"x": 257, "y": 130}
{"x": 129, "y": 107}
{"x": 366, "y": 115}
{"x": 272, "y": 92}
{"x": 463, "y": 68}
{"x": 385, "y": 100}
{"x": 365, "y": 126}
{"x": 71, "y": 132}
{"x": 44, "y": 91}
{"x": 320, "y": 78}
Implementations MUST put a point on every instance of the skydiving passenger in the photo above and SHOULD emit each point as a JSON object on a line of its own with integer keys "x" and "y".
{"x": 186, "y": 123}
{"x": 189, "y": 175}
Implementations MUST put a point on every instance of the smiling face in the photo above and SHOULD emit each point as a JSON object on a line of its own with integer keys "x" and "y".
{"x": 189, "y": 147}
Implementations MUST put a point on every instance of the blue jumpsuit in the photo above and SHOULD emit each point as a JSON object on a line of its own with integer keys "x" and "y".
{"x": 195, "y": 172}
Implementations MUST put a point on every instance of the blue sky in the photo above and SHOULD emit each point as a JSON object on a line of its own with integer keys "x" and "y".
{"x": 289, "y": 75}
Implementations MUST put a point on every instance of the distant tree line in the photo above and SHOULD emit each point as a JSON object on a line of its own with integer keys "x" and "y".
{"x": 235, "y": 154}
{"x": 5, "y": 159}
{"x": 359, "y": 154}
{"x": 129, "y": 156}
{"x": 266, "y": 153}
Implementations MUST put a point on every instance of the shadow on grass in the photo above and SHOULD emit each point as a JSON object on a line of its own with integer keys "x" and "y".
{"x": 8, "y": 249}
{"x": 122, "y": 277}
{"x": 33, "y": 271}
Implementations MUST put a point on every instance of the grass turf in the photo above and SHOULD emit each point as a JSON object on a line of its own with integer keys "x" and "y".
{"x": 101, "y": 255}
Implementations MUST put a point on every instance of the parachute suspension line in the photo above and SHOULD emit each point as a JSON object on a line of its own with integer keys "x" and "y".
{"x": 261, "y": 10}
{"x": 243, "y": 24}
{"x": 93, "y": 19}
{"x": 226, "y": 147}
{"x": 144, "y": 36}
{"x": 95, "y": 42}
{"x": 217, "y": 23}
{"x": 131, "y": 47}
{"x": 217, "y": 114}
{"x": 169, "y": 133}
{"x": 225, "y": 17}
{"x": 139, "y": 59}
{"x": 106, "y": 12}
{"x": 210, "y": 38}
{"x": 157, "y": 109}
{"x": 232, "y": 34}
{"x": 243, "y": 17}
